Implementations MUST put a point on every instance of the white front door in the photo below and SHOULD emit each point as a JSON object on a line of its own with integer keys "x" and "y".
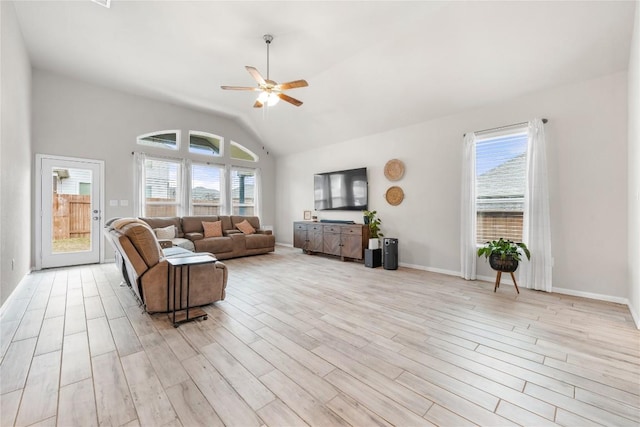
{"x": 70, "y": 211}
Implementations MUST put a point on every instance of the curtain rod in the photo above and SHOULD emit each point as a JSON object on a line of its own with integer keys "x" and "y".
{"x": 504, "y": 127}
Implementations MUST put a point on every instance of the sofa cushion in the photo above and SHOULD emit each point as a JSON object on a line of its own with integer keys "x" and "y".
{"x": 226, "y": 223}
{"x": 212, "y": 229}
{"x": 245, "y": 227}
{"x": 214, "y": 245}
{"x": 259, "y": 241}
{"x": 193, "y": 224}
{"x": 120, "y": 223}
{"x": 168, "y": 232}
{"x": 145, "y": 242}
{"x": 253, "y": 220}
{"x": 162, "y": 222}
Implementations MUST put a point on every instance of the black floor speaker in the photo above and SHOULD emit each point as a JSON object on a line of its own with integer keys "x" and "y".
{"x": 372, "y": 258}
{"x": 390, "y": 247}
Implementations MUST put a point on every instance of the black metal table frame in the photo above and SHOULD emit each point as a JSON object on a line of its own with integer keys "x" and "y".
{"x": 175, "y": 265}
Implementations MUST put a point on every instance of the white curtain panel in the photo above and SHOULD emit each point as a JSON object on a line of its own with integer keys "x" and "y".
{"x": 536, "y": 231}
{"x": 468, "y": 250}
{"x": 258, "y": 195}
{"x": 225, "y": 191}
{"x": 138, "y": 182}
{"x": 185, "y": 185}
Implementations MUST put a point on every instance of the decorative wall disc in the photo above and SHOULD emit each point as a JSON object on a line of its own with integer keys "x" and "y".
{"x": 394, "y": 169}
{"x": 394, "y": 195}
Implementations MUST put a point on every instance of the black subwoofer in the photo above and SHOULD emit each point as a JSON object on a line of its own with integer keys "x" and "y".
{"x": 372, "y": 258}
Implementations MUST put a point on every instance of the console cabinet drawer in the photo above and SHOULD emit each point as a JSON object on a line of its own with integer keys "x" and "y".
{"x": 354, "y": 229}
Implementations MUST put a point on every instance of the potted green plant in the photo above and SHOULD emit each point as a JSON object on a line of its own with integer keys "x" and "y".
{"x": 504, "y": 255}
{"x": 371, "y": 219}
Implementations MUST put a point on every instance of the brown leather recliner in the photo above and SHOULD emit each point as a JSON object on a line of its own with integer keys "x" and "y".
{"x": 146, "y": 266}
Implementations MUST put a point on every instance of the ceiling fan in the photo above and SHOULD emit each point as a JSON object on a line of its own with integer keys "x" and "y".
{"x": 270, "y": 91}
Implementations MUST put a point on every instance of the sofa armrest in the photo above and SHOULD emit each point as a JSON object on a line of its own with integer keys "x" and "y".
{"x": 194, "y": 236}
{"x": 267, "y": 232}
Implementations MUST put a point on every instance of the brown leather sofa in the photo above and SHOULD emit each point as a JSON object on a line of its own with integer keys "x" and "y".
{"x": 144, "y": 264}
{"x": 232, "y": 244}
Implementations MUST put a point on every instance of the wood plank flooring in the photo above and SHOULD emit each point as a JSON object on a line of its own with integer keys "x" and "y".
{"x": 308, "y": 340}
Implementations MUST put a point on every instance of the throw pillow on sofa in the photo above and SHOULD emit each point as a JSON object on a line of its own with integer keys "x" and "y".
{"x": 168, "y": 232}
{"x": 212, "y": 229}
{"x": 245, "y": 227}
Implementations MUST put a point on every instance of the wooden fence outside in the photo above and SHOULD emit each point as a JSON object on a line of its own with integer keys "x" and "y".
{"x": 71, "y": 216}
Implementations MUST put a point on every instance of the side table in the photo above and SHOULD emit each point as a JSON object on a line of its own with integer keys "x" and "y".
{"x": 179, "y": 314}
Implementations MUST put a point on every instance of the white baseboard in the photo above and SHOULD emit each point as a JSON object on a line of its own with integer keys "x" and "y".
{"x": 14, "y": 291}
{"x": 591, "y": 295}
{"x": 430, "y": 269}
{"x": 635, "y": 314}
{"x": 506, "y": 280}
{"x": 288, "y": 245}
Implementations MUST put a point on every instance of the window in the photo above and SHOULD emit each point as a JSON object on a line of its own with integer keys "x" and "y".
{"x": 206, "y": 194}
{"x": 243, "y": 191}
{"x": 205, "y": 143}
{"x": 187, "y": 184}
{"x": 162, "y": 187}
{"x": 240, "y": 152}
{"x": 164, "y": 139}
{"x": 500, "y": 186}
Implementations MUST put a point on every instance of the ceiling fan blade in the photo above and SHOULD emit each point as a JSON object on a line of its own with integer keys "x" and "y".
{"x": 289, "y": 99}
{"x": 292, "y": 85}
{"x": 256, "y": 75}
{"x": 257, "y": 104}
{"x": 239, "y": 88}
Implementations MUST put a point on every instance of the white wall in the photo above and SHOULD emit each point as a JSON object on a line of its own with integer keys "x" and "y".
{"x": 15, "y": 154}
{"x": 77, "y": 119}
{"x": 634, "y": 171}
{"x": 587, "y": 148}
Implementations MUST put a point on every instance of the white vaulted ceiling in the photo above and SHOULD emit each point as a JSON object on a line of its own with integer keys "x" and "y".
{"x": 371, "y": 66}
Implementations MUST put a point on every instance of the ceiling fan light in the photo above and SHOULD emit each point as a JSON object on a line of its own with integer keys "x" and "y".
{"x": 273, "y": 99}
{"x": 263, "y": 97}
{"x": 268, "y": 98}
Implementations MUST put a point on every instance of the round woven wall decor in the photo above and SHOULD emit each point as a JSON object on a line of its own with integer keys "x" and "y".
{"x": 394, "y": 169}
{"x": 394, "y": 195}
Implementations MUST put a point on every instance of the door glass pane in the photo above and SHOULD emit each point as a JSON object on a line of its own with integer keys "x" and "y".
{"x": 71, "y": 210}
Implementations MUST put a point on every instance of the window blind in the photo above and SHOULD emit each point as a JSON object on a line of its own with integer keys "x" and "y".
{"x": 500, "y": 186}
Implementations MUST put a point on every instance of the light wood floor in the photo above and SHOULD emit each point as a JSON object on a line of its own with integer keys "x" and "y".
{"x": 309, "y": 340}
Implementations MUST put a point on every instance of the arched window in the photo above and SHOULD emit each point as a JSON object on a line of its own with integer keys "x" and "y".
{"x": 240, "y": 152}
{"x": 167, "y": 139}
{"x": 205, "y": 143}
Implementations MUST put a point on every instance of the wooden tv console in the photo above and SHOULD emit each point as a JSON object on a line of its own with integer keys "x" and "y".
{"x": 343, "y": 240}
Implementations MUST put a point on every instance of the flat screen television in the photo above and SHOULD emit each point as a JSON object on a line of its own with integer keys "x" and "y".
{"x": 345, "y": 190}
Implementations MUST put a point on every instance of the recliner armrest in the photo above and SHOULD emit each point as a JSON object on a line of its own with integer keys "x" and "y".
{"x": 267, "y": 232}
{"x": 194, "y": 236}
